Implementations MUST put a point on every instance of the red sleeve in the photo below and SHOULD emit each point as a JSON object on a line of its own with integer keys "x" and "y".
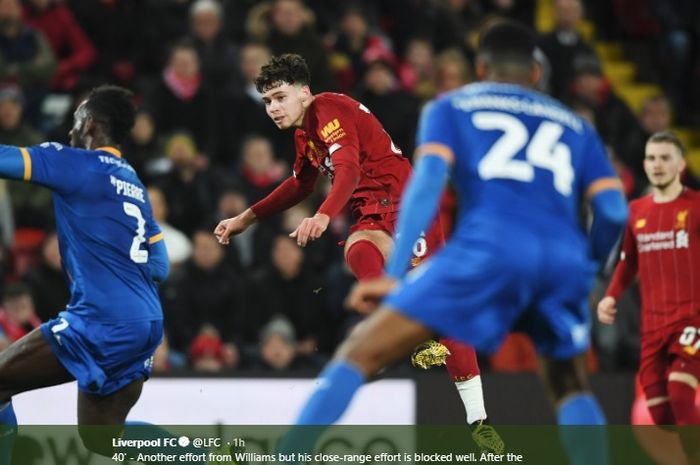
{"x": 347, "y": 174}
{"x": 626, "y": 269}
{"x": 292, "y": 191}
{"x": 338, "y": 129}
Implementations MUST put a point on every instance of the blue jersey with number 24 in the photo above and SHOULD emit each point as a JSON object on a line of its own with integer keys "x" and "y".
{"x": 520, "y": 156}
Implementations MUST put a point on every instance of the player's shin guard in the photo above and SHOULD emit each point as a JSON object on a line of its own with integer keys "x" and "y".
{"x": 8, "y": 432}
{"x": 365, "y": 260}
{"x": 335, "y": 389}
{"x": 585, "y": 445}
{"x": 140, "y": 430}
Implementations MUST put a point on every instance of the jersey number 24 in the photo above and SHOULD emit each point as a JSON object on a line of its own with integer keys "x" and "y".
{"x": 542, "y": 150}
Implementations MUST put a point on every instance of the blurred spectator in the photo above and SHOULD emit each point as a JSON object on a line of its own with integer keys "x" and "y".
{"x": 25, "y": 56}
{"x": 115, "y": 28}
{"x": 678, "y": 20}
{"x": 243, "y": 113}
{"x": 245, "y": 249}
{"x": 615, "y": 122}
{"x": 296, "y": 295}
{"x": 217, "y": 54}
{"x": 655, "y": 115}
{"x": 166, "y": 22}
{"x": 180, "y": 101}
{"x": 17, "y": 317}
{"x": 143, "y": 150}
{"x": 418, "y": 72}
{"x": 396, "y": 109}
{"x": 78, "y": 94}
{"x": 178, "y": 245}
{"x": 259, "y": 172}
{"x": 190, "y": 190}
{"x": 72, "y": 48}
{"x": 286, "y": 26}
{"x": 519, "y": 10}
{"x": 442, "y": 23}
{"x": 208, "y": 352}
{"x": 166, "y": 360}
{"x": 47, "y": 281}
{"x": 354, "y": 45}
{"x": 205, "y": 293}
{"x": 278, "y": 347}
{"x": 563, "y": 45}
{"x": 31, "y": 203}
{"x": 452, "y": 70}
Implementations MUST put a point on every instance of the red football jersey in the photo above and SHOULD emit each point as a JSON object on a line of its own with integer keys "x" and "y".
{"x": 337, "y": 127}
{"x": 662, "y": 244}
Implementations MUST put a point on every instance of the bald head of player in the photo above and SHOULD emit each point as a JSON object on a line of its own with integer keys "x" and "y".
{"x": 284, "y": 85}
{"x": 104, "y": 118}
{"x": 506, "y": 54}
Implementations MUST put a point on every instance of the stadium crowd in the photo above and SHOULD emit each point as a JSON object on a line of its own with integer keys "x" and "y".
{"x": 205, "y": 148}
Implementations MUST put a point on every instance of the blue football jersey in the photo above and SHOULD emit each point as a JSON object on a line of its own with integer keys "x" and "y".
{"x": 520, "y": 156}
{"x": 104, "y": 225}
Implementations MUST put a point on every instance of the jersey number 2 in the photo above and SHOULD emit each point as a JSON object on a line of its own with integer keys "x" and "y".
{"x": 136, "y": 253}
{"x": 544, "y": 150}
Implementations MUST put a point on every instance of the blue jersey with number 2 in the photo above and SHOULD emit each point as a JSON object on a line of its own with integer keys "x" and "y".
{"x": 104, "y": 225}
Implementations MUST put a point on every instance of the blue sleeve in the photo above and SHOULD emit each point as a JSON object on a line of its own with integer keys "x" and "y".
{"x": 158, "y": 262}
{"x": 58, "y": 167}
{"x": 419, "y": 205}
{"x": 596, "y": 163}
{"x": 436, "y": 124}
{"x": 13, "y": 162}
{"x": 609, "y": 220}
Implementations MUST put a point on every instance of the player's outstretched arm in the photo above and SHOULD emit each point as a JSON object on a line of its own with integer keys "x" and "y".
{"x": 607, "y": 309}
{"x": 347, "y": 175}
{"x": 232, "y": 226}
{"x": 12, "y": 162}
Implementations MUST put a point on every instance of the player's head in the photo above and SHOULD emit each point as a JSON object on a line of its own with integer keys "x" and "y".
{"x": 506, "y": 53}
{"x": 284, "y": 85}
{"x": 664, "y": 159}
{"x": 104, "y": 118}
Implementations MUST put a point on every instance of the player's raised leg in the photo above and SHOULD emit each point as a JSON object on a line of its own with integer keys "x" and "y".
{"x": 27, "y": 364}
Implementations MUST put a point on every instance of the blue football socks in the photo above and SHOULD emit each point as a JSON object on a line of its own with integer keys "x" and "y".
{"x": 585, "y": 445}
{"x": 335, "y": 388}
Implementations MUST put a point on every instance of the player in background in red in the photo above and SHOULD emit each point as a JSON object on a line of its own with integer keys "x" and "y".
{"x": 340, "y": 138}
{"x": 662, "y": 246}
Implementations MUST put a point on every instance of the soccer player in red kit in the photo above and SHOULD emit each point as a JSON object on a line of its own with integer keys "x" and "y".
{"x": 340, "y": 138}
{"x": 662, "y": 246}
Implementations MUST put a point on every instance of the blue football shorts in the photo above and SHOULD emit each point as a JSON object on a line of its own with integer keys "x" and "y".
{"x": 103, "y": 356}
{"x": 479, "y": 291}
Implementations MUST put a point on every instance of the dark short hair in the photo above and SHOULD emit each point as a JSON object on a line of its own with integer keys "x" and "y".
{"x": 112, "y": 108}
{"x": 289, "y": 68}
{"x": 670, "y": 137}
{"x": 508, "y": 42}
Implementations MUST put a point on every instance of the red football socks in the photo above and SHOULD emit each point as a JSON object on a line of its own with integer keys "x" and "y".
{"x": 365, "y": 260}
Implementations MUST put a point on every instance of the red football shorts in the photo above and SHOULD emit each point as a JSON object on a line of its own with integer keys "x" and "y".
{"x": 680, "y": 343}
